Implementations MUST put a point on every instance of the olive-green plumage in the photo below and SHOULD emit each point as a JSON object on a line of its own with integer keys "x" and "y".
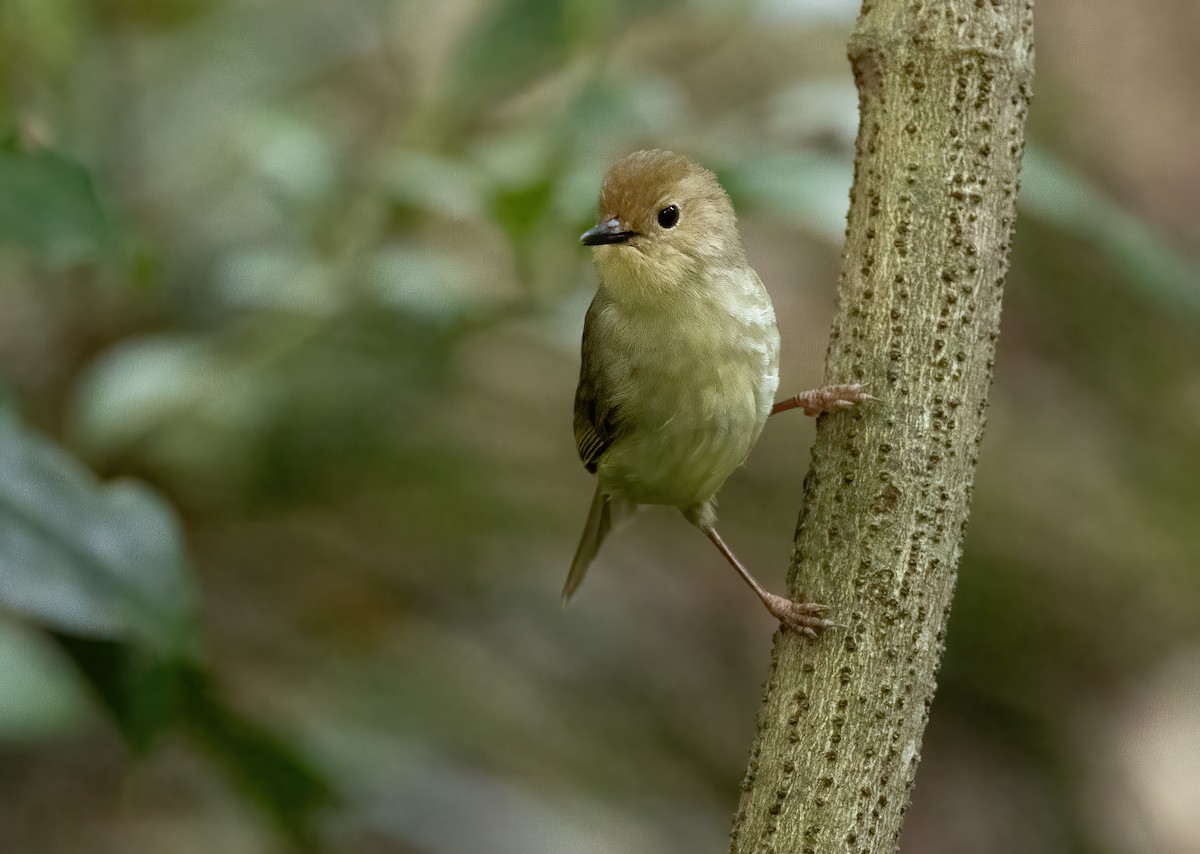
{"x": 680, "y": 348}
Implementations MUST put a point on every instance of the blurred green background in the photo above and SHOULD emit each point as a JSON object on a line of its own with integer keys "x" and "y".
{"x": 290, "y": 303}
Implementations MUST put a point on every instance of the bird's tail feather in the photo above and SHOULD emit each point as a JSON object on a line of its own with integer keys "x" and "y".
{"x": 606, "y": 511}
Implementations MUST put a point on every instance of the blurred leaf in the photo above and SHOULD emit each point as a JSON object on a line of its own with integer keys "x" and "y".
{"x": 47, "y": 32}
{"x": 92, "y": 560}
{"x": 425, "y": 283}
{"x": 453, "y": 187}
{"x": 516, "y": 39}
{"x": 519, "y": 210}
{"x": 145, "y": 694}
{"x": 817, "y": 111}
{"x": 48, "y": 204}
{"x": 294, "y": 156}
{"x": 103, "y": 569}
{"x": 1052, "y": 191}
{"x": 176, "y": 399}
{"x": 138, "y": 688}
{"x": 813, "y": 188}
{"x": 264, "y": 766}
{"x": 281, "y": 404}
{"x": 279, "y": 278}
{"x": 41, "y": 695}
{"x": 613, "y": 113}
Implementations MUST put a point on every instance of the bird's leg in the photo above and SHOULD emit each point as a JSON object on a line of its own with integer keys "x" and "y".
{"x": 801, "y": 617}
{"x": 827, "y": 398}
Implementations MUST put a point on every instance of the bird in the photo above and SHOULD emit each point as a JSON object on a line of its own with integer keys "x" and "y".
{"x": 680, "y": 360}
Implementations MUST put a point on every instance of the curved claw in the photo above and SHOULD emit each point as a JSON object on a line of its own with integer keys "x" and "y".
{"x": 826, "y": 399}
{"x": 800, "y": 617}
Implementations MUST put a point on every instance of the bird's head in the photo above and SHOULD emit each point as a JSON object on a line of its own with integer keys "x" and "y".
{"x": 663, "y": 219}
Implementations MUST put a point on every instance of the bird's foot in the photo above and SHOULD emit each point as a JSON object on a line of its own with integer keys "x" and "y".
{"x": 803, "y": 618}
{"x": 827, "y": 398}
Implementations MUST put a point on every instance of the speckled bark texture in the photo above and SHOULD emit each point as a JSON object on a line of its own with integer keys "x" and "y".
{"x": 943, "y": 89}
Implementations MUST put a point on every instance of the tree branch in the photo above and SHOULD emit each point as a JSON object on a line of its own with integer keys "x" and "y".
{"x": 943, "y": 91}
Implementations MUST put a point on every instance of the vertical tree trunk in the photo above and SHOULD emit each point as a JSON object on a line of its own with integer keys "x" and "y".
{"x": 943, "y": 91}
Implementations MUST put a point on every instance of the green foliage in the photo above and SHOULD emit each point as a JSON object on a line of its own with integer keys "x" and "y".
{"x": 807, "y": 187}
{"x": 48, "y": 205}
{"x": 1064, "y": 198}
{"x": 42, "y": 698}
{"x": 512, "y": 42}
{"x": 137, "y": 686}
{"x": 102, "y": 569}
{"x": 262, "y": 763}
{"x": 86, "y": 559}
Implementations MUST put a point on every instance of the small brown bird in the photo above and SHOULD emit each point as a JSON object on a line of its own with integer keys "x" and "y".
{"x": 680, "y": 358}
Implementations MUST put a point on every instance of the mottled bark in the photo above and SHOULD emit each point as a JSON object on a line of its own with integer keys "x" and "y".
{"x": 943, "y": 91}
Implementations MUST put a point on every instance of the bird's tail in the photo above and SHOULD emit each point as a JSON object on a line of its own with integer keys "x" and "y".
{"x": 605, "y": 512}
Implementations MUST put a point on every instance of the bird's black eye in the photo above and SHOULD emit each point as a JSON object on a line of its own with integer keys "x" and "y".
{"x": 668, "y": 216}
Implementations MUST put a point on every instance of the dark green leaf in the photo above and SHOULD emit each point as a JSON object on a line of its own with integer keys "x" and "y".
{"x": 261, "y": 763}
{"x": 145, "y": 694}
{"x": 139, "y": 690}
{"x": 48, "y": 204}
{"x": 519, "y": 210}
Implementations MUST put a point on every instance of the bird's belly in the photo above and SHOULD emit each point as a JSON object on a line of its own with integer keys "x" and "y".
{"x": 692, "y": 433}
{"x": 680, "y": 467}
{"x": 694, "y": 396}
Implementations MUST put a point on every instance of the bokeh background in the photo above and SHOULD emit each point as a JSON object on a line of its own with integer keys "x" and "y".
{"x": 290, "y": 302}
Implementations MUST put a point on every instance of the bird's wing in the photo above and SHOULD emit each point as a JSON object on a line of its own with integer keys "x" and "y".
{"x": 597, "y": 415}
{"x": 597, "y": 421}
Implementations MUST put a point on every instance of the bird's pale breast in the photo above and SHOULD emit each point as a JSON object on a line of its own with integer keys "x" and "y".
{"x": 695, "y": 383}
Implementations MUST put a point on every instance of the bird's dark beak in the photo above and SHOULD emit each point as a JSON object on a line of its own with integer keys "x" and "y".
{"x": 609, "y": 231}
